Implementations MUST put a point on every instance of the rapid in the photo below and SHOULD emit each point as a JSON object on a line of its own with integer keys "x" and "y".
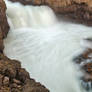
{"x": 46, "y": 44}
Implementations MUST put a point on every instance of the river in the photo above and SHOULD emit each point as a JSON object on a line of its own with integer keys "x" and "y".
{"x": 46, "y": 44}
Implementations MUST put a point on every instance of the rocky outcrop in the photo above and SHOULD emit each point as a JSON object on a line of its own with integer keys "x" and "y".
{"x": 4, "y": 27}
{"x": 13, "y": 78}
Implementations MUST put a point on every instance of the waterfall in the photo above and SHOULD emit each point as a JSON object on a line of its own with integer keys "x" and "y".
{"x": 45, "y": 45}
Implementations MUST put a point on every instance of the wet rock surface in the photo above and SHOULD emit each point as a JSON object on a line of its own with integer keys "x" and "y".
{"x": 84, "y": 60}
{"x": 79, "y": 10}
{"x": 13, "y": 78}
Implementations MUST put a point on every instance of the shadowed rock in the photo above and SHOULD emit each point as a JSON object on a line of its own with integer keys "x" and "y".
{"x": 4, "y": 27}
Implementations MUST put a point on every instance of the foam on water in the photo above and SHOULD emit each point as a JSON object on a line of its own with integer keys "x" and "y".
{"x": 30, "y": 16}
{"x": 45, "y": 46}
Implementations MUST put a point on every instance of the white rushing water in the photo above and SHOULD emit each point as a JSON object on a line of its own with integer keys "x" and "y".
{"x": 45, "y": 46}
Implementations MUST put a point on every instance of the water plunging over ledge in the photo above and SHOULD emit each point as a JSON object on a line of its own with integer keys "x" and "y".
{"x": 45, "y": 45}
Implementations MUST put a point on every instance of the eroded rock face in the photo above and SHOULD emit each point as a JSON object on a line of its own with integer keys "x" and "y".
{"x": 79, "y": 10}
{"x": 4, "y": 27}
{"x": 13, "y": 78}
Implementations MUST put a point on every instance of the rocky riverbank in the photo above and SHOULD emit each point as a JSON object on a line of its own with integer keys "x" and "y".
{"x": 13, "y": 78}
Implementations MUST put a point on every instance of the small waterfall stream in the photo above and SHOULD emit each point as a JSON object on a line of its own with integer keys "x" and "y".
{"x": 45, "y": 45}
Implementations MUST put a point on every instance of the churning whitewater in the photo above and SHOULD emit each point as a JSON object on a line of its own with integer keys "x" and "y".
{"x": 45, "y": 45}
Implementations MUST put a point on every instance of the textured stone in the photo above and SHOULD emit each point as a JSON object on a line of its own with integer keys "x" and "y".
{"x": 17, "y": 79}
{"x": 4, "y": 27}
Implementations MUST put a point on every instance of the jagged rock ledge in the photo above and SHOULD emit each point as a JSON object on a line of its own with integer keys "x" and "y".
{"x": 13, "y": 78}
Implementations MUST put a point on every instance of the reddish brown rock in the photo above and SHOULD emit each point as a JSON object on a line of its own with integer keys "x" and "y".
{"x": 17, "y": 79}
{"x": 4, "y": 27}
